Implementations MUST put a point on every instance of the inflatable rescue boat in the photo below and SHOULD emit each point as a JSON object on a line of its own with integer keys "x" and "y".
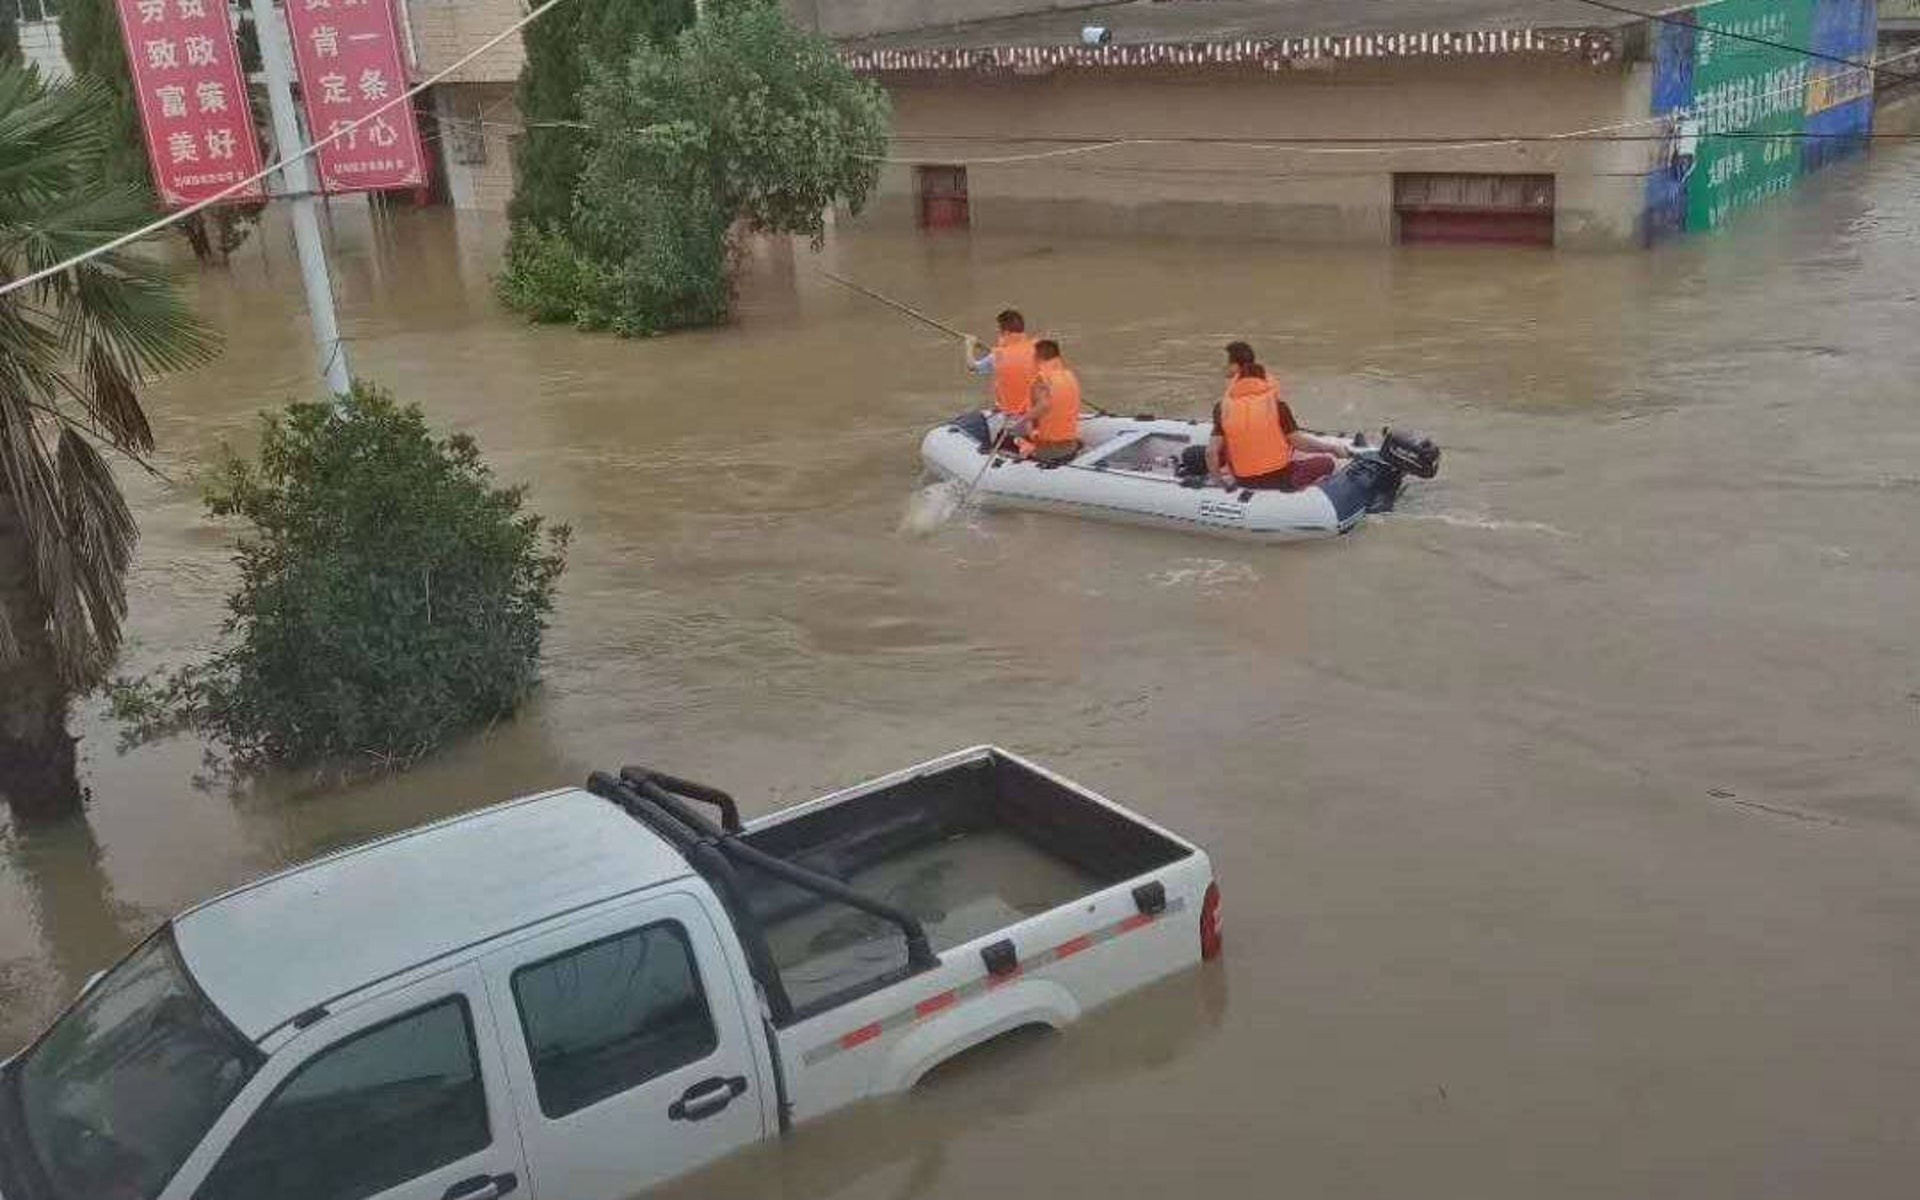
{"x": 1130, "y": 469}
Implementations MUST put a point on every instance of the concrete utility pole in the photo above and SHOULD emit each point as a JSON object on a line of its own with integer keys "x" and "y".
{"x": 296, "y": 187}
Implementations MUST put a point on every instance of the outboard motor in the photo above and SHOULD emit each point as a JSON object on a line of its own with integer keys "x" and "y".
{"x": 1373, "y": 481}
{"x": 1409, "y": 453}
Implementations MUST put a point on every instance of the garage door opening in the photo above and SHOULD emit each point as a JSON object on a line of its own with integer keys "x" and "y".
{"x": 1455, "y": 208}
{"x": 942, "y": 193}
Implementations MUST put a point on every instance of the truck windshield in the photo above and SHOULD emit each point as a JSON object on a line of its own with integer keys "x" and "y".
{"x": 121, "y": 1089}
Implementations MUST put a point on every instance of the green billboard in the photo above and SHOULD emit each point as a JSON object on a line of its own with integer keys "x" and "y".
{"x": 1753, "y": 94}
{"x": 1747, "y": 90}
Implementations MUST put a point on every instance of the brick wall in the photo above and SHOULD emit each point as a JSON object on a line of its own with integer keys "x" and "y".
{"x": 40, "y": 45}
{"x": 476, "y": 120}
{"x": 443, "y": 30}
{"x": 1203, "y": 188}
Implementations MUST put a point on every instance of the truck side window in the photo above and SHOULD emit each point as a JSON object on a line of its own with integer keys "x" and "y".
{"x": 611, "y": 1015}
{"x": 387, "y": 1105}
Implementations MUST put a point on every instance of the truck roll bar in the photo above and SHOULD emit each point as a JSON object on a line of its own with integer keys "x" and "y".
{"x": 729, "y": 811}
{"x": 659, "y": 802}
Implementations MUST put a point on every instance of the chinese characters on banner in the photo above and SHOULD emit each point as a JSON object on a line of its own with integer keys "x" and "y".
{"x": 349, "y": 56}
{"x": 193, "y": 98}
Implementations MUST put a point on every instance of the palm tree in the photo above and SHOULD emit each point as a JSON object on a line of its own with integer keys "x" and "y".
{"x": 74, "y": 349}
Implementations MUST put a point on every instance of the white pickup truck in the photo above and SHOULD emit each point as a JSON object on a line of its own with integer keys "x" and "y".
{"x": 579, "y": 994}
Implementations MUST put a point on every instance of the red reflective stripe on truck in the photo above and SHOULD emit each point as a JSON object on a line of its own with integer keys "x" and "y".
{"x": 981, "y": 985}
{"x": 1069, "y": 949}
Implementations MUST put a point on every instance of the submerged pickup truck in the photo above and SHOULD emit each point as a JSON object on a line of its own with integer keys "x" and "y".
{"x": 579, "y": 994}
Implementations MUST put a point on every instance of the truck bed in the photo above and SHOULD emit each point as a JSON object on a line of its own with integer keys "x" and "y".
{"x": 970, "y": 848}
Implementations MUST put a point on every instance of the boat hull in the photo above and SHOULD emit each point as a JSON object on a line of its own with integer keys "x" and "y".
{"x": 1126, "y": 475}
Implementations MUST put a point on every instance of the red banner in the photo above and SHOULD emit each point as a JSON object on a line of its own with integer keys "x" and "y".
{"x": 349, "y": 56}
{"x": 193, "y": 98}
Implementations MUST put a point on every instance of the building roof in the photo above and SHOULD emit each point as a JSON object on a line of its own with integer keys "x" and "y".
{"x": 1141, "y": 31}
{"x": 275, "y": 948}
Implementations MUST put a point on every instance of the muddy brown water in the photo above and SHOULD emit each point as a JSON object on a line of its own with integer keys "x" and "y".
{"x": 1567, "y": 819}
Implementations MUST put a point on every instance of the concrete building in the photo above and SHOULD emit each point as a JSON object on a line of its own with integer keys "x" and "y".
{"x": 1544, "y": 121}
{"x": 39, "y": 29}
{"x": 471, "y": 116}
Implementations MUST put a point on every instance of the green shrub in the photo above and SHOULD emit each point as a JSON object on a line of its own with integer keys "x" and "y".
{"x": 544, "y": 276}
{"x": 743, "y": 123}
{"x": 389, "y": 596}
{"x": 561, "y": 48}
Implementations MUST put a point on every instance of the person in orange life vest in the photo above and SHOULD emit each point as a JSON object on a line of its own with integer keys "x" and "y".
{"x": 1256, "y": 442}
{"x": 1010, "y": 362}
{"x": 1053, "y": 423}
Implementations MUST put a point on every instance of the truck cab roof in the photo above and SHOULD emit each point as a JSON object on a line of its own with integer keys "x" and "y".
{"x": 276, "y": 948}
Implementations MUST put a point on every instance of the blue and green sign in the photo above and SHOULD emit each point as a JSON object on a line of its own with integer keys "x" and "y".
{"x": 1745, "y": 119}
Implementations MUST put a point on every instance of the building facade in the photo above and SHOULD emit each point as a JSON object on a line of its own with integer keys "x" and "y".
{"x": 470, "y": 118}
{"x": 1442, "y": 120}
{"x": 38, "y": 25}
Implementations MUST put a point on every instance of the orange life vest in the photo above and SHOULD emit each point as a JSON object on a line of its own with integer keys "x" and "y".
{"x": 1250, "y": 420}
{"x": 1062, "y": 420}
{"x": 1013, "y": 371}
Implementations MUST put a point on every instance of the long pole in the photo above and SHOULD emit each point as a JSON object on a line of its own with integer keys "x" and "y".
{"x": 296, "y": 186}
{"x": 895, "y": 305}
{"x": 993, "y": 452}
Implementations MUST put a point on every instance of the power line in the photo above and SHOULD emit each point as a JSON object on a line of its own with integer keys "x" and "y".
{"x": 1073, "y": 147}
{"x": 1387, "y": 143}
{"x": 1574, "y": 135}
{"x": 234, "y": 189}
{"x": 1804, "y": 51}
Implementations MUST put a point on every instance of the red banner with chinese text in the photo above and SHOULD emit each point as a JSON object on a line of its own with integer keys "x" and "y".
{"x": 193, "y": 98}
{"x": 349, "y": 56}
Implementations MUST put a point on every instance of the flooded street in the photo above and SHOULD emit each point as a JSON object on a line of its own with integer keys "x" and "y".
{"x": 1567, "y": 819}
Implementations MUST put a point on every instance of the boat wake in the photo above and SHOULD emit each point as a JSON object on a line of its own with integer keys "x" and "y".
{"x": 1483, "y": 523}
{"x": 1205, "y": 573}
{"x": 930, "y": 508}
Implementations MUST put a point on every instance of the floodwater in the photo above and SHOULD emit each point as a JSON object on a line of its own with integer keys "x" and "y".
{"x": 1567, "y": 820}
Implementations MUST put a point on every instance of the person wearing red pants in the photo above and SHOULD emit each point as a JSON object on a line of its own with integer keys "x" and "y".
{"x": 1256, "y": 442}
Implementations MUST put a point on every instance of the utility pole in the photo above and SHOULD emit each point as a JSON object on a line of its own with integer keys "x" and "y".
{"x": 296, "y": 187}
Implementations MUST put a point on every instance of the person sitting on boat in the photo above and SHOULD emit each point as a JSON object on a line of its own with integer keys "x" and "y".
{"x": 1010, "y": 362}
{"x": 1053, "y": 422}
{"x": 1256, "y": 442}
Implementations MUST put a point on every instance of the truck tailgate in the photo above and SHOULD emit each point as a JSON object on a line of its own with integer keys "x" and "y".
{"x": 1017, "y": 875}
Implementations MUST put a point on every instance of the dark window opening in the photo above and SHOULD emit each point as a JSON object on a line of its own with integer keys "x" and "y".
{"x": 942, "y": 196}
{"x": 1453, "y": 207}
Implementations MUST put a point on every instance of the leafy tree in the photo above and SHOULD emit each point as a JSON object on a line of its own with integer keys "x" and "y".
{"x": 74, "y": 350}
{"x": 9, "y": 31}
{"x": 389, "y": 597}
{"x": 90, "y": 33}
{"x": 563, "y": 47}
{"x": 745, "y": 124}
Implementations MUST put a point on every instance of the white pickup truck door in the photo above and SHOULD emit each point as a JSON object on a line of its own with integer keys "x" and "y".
{"x": 402, "y": 1097}
{"x": 628, "y": 1047}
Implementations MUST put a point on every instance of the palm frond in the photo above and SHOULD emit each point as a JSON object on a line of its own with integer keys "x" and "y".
{"x": 29, "y": 478}
{"x": 108, "y": 394}
{"x": 100, "y": 535}
{"x": 74, "y": 351}
{"x": 47, "y": 130}
{"x": 141, "y": 323}
{"x": 9, "y": 642}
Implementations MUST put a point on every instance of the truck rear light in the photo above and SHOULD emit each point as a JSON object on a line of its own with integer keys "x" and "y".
{"x": 1210, "y": 923}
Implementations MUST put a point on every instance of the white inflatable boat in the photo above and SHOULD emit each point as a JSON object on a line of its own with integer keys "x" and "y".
{"x": 1129, "y": 469}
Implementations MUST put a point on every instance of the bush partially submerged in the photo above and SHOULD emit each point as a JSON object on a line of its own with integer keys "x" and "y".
{"x": 744, "y": 123}
{"x": 390, "y": 596}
